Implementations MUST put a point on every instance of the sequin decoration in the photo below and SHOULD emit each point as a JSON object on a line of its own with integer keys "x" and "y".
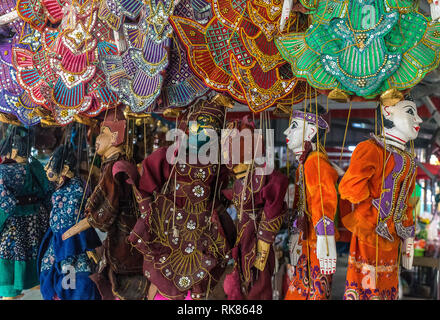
{"x": 65, "y": 77}
{"x": 235, "y": 52}
{"x": 137, "y": 74}
{"x": 363, "y": 47}
{"x": 13, "y": 99}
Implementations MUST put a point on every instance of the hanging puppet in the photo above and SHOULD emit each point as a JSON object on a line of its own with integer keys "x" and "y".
{"x": 259, "y": 201}
{"x": 184, "y": 231}
{"x": 313, "y": 234}
{"x": 111, "y": 208}
{"x": 381, "y": 163}
{"x": 58, "y": 258}
{"x": 24, "y": 213}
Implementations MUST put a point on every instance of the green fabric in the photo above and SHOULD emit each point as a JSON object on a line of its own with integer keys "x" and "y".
{"x": 364, "y": 47}
{"x": 16, "y": 276}
{"x": 36, "y": 184}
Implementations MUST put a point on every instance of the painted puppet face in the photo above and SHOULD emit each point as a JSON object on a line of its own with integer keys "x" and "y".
{"x": 295, "y": 133}
{"x": 405, "y": 118}
{"x": 105, "y": 140}
{"x": 200, "y": 132}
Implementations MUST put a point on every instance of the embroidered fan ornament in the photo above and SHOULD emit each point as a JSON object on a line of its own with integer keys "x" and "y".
{"x": 232, "y": 54}
{"x": 394, "y": 48}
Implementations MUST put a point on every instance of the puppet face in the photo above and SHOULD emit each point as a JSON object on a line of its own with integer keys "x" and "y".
{"x": 295, "y": 133}
{"x": 405, "y": 119}
{"x": 105, "y": 140}
{"x": 200, "y": 131}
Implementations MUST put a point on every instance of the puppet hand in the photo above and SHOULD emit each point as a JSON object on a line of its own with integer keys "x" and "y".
{"x": 326, "y": 257}
{"x": 408, "y": 253}
{"x": 285, "y": 13}
{"x": 77, "y": 228}
{"x": 435, "y": 9}
{"x": 295, "y": 248}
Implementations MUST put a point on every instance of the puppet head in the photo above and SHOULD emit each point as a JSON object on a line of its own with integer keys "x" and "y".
{"x": 398, "y": 116}
{"x": 61, "y": 164}
{"x": 302, "y": 131}
{"x": 112, "y": 134}
{"x": 238, "y": 144}
{"x": 203, "y": 117}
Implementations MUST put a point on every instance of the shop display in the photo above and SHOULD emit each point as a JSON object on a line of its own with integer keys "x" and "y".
{"x": 119, "y": 123}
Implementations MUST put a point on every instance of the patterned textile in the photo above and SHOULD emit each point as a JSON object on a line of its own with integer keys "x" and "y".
{"x": 235, "y": 52}
{"x": 23, "y": 223}
{"x": 111, "y": 209}
{"x": 140, "y": 72}
{"x": 13, "y": 99}
{"x": 364, "y": 47}
{"x": 64, "y": 75}
{"x": 57, "y": 256}
{"x": 308, "y": 282}
{"x": 261, "y": 210}
{"x": 193, "y": 257}
{"x": 368, "y": 278}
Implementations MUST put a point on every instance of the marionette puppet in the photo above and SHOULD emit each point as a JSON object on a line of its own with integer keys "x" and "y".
{"x": 111, "y": 208}
{"x": 259, "y": 201}
{"x": 24, "y": 213}
{"x": 312, "y": 240}
{"x": 57, "y": 259}
{"x": 184, "y": 232}
{"x": 380, "y": 241}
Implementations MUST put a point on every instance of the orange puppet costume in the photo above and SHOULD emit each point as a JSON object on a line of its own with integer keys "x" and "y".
{"x": 374, "y": 250}
{"x": 319, "y": 179}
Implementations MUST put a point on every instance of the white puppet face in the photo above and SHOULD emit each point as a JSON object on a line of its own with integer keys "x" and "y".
{"x": 435, "y": 9}
{"x": 406, "y": 121}
{"x": 296, "y": 132}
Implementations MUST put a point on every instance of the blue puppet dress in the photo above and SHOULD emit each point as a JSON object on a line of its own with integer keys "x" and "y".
{"x": 24, "y": 218}
{"x": 64, "y": 265}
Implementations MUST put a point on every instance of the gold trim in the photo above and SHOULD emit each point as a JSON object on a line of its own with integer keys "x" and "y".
{"x": 390, "y": 97}
{"x": 9, "y": 119}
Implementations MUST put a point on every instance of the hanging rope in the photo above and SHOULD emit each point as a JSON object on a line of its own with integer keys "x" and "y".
{"x": 88, "y": 178}
{"x": 345, "y": 134}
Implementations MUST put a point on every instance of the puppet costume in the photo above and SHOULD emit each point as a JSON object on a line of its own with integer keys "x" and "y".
{"x": 261, "y": 211}
{"x": 57, "y": 256}
{"x": 111, "y": 209}
{"x": 308, "y": 282}
{"x": 24, "y": 218}
{"x": 184, "y": 232}
{"x": 361, "y": 186}
{"x": 195, "y": 258}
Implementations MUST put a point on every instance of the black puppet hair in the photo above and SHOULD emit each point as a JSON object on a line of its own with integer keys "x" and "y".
{"x": 388, "y": 124}
{"x": 19, "y": 138}
{"x": 63, "y": 155}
